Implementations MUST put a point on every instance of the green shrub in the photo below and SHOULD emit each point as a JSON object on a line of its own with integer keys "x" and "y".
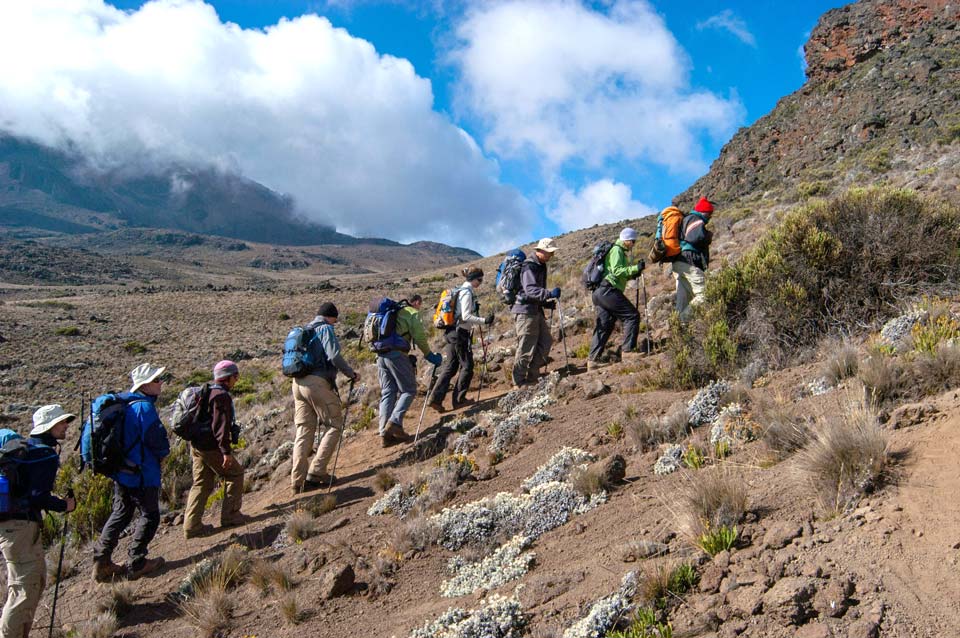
{"x": 283, "y": 316}
{"x": 694, "y": 458}
{"x": 94, "y": 496}
{"x": 582, "y": 351}
{"x": 714, "y": 541}
{"x": 68, "y": 331}
{"x": 645, "y": 623}
{"x": 928, "y": 336}
{"x": 199, "y": 377}
{"x": 828, "y": 267}
{"x": 134, "y": 347}
{"x": 367, "y": 417}
{"x": 177, "y": 476}
{"x": 244, "y": 385}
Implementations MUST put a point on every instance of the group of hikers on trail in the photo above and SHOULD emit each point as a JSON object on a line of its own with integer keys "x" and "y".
{"x": 124, "y": 438}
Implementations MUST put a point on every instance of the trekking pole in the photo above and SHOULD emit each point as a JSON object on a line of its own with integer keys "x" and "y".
{"x": 433, "y": 384}
{"x": 646, "y": 315}
{"x": 346, "y": 410}
{"x": 563, "y": 336}
{"x": 56, "y": 589}
{"x": 483, "y": 371}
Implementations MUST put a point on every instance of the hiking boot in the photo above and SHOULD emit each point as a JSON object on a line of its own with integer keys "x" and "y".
{"x": 462, "y": 404}
{"x": 106, "y": 571}
{"x": 148, "y": 566}
{"x": 396, "y": 433}
{"x": 235, "y": 520}
{"x": 596, "y": 365}
{"x": 437, "y": 407}
{"x": 317, "y": 481}
{"x": 198, "y": 532}
{"x": 387, "y": 441}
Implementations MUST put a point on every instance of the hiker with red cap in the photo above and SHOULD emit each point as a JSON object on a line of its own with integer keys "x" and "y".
{"x": 688, "y": 267}
{"x": 212, "y": 454}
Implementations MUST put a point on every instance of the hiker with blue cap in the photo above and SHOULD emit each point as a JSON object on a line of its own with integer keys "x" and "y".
{"x": 29, "y": 471}
{"x": 611, "y": 305}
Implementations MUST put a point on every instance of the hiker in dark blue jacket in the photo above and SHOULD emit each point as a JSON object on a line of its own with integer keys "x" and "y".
{"x": 689, "y": 266}
{"x": 138, "y": 486}
{"x": 20, "y": 538}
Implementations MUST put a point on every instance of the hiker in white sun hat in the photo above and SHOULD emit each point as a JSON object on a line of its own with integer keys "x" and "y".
{"x": 20, "y": 538}
{"x": 137, "y": 485}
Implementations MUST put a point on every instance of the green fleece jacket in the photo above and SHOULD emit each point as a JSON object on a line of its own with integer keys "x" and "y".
{"x": 618, "y": 270}
{"x": 410, "y": 328}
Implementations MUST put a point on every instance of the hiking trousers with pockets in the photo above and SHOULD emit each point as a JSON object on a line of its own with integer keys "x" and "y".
{"x": 207, "y": 469}
{"x": 612, "y": 305}
{"x": 316, "y": 405}
{"x": 457, "y": 356}
{"x": 533, "y": 345}
{"x": 398, "y": 387}
{"x": 690, "y": 285}
{"x": 26, "y": 575}
{"x": 126, "y": 502}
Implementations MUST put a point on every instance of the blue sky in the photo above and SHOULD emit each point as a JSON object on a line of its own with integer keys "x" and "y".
{"x": 482, "y": 124}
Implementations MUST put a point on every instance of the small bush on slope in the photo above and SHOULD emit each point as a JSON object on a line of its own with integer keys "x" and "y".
{"x": 714, "y": 499}
{"x": 827, "y": 268}
{"x": 845, "y": 459}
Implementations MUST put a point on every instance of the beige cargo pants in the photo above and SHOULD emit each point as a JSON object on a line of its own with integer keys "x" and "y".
{"x": 207, "y": 469}
{"x": 316, "y": 404}
{"x": 26, "y": 575}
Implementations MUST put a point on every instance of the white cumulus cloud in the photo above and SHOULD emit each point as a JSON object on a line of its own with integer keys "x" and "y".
{"x": 600, "y": 202}
{"x": 301, "y": 106}
{"x": 726, "y": 20}
{"x": 566, "y": 83}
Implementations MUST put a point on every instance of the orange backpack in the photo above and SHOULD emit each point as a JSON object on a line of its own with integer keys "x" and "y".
{"x": 445, "y": 314}
{"x": 666, "y": 243}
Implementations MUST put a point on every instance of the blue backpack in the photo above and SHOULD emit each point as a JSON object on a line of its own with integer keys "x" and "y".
{"x": 298, "y": 358}
{"x": 508, "y": 276}
{"x": 18, "y": 456}
{"x": 380, "y": 328}
{"x": 101, "y": 438}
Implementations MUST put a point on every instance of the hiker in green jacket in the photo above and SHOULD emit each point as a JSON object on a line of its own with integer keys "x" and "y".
{"x": 611, "y": 304}
{"x": 397, "y": 375}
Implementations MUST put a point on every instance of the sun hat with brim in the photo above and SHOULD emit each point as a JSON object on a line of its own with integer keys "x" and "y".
{"x": 143, "y": 374}
{"x": 48, "y": 416}
{"x": 547, "y": 245}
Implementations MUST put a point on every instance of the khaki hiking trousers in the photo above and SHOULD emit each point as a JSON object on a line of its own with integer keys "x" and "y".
{"x": 316, "y": 405}
{"x": 690, "y": 285}
{"x": 26, "y": 576}
{"x": 207, "y": 470}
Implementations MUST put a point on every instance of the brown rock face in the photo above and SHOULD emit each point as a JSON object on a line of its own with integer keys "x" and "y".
{"x": 880, "y": 102}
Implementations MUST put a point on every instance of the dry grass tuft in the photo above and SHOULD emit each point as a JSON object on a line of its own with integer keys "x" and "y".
{"x": 118, "y": 599}
{"x": 321, "y": 505}
{"x": 265, "y": 575}
{"x": 841, "y": 365}
{"x": 647, "y": 433}
{"x": 883, "y": 379}
{"x": 439, "y": 489}
{"x": 290, "y": 609}
{"x": 785, "y": 430}
{"x": 588, "y": 482}
{"x": 103, "y": 625}
{"x": 845, "y": 459}
{"x": 716, "y": 498}
{"x": 414, "y": 534}
{"x": 383, "y": 481}
{"x": 939, "y": 370}
{"x": 301, "y": 525}
{"x": 210, "y": 610}
{"x": 738, "y": 393}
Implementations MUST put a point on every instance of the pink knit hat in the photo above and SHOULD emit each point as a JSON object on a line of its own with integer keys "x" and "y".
{"x": 224, "y": 370}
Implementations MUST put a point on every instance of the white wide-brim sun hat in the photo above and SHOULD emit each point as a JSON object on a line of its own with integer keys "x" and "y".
{"x": 143, "y": 374}
{"x": 48, "y": 416}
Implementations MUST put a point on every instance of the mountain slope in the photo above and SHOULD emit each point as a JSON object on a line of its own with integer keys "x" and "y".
{"x": 881, "y": 102}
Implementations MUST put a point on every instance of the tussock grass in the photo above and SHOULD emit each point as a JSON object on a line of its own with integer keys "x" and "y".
{"x": 210, "y": 610}
{"x": 716, "y": 498}
{"x": 884, "y": 379}
{"x": 266, "y": 575}
{"x": 384, "y": 480}
{"x": 938, "y": 371}
{"x": 661, "y": 583}
{"x": 648, "y": 432}
{"x": 117, "y": 599}
{"x": 320, "y": 505}
{"x": 103, "y": 625}
{"x": 414, "y": 534}
{"x": 785, "y": 430}
{"x": 290, "y": 610}
{"x": 301, "y": 525}
{"x": 846, "y": 459}
{"x": 842, "y": 364}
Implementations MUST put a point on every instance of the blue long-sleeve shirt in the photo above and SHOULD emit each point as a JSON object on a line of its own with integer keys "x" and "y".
{"x": 145, "y": 441}
{"x": 326, "y": 351}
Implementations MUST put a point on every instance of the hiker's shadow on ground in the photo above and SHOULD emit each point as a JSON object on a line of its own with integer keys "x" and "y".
{"x": 149, "y": 612}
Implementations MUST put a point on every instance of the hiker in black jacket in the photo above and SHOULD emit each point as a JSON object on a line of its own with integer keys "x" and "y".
{"x": 20, "y": 539}
{"x": 533, "y": 332}
{"x": 688, "y": 267}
